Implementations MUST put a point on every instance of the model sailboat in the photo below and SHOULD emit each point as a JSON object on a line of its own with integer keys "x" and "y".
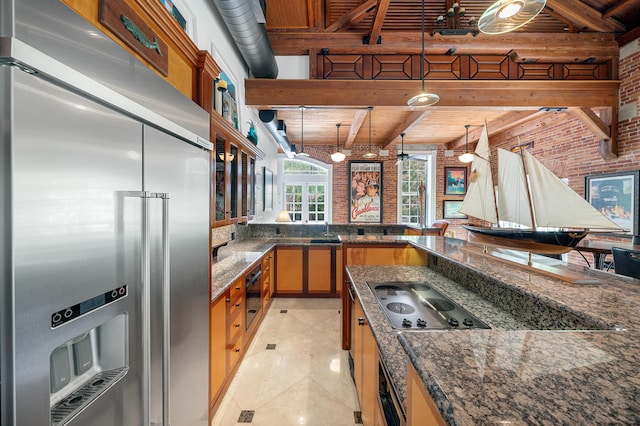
{"x": 549, "y": 217}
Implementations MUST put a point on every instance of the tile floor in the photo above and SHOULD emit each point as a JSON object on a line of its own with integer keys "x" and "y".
{"x": 295, "y": 372}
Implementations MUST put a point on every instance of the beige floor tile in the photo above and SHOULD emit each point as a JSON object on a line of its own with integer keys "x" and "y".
{"x": 305, "y": 380}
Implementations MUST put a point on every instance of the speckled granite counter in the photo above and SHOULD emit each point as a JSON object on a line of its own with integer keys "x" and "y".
{"x": 526, "y": 369}
{"x": 237, "y": 258}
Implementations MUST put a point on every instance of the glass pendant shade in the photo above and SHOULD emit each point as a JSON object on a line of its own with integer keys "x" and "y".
{"x": 338, "y": 156}
{"x": 507, "y": 15}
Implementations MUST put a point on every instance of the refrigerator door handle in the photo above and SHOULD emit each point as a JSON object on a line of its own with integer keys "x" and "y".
{"x": 166, "y": 308}
{"x": 146, "y": 302}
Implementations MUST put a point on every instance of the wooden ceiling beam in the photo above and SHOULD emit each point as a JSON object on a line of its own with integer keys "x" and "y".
{"x": 615, "y": 8}
{"x": 354, "y": 16}
{"x": 543, "y": 46}
{"x": 505, "y": 122}
{"x": 356, "y": 124}
{"x": 592, "y": 122}
{"x": 580, "y": 13}
{"x": 471, "y": 94}
{"x": 405, "y": 127}
{"x": 378, "y": 20}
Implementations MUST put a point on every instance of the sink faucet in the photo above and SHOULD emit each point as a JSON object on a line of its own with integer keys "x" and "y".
{"x": 326, "y": 228}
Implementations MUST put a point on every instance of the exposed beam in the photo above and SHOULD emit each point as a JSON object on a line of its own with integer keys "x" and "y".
{"x": 354, "y": 16}
{"x": 405, "y": 127}
{"x": 580, "y": 13}
{"x": 592, "y": 122}
{"x": 542, "y": 46}
{"x": 356, "y": 124}
{"x": 378, "y": 20}
{"x": 608, "y": 148}
{"x": 617, "y": 7}
{"x": 470, "y": 94}
{"x": 505, "y": 122}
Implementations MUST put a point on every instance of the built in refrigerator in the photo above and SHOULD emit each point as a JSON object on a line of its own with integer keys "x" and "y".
{"x": 104, "y": 217}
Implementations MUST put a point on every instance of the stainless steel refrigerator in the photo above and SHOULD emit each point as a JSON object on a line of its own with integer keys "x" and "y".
{"x": 104, "y": 216}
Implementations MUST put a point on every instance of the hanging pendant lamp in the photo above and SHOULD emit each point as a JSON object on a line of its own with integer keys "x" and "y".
{"x": 467, "y": 157}
{"x": 302, "y": 153}
{"x": 423, "y": 98}
{"x": 507, "y": 15}
{"x": 370, "y": 154}
{"x": 338, "y": 156}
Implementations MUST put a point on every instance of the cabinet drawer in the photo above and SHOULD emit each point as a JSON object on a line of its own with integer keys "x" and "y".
{"x": 235, "y": 352}
{"x": 236, "y": 289}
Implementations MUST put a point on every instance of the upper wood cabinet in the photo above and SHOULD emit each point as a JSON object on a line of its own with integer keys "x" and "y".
{"x": 233, "y": 160}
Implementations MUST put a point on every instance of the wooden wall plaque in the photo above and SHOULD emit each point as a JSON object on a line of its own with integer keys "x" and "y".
{"x": 127, "y": 25}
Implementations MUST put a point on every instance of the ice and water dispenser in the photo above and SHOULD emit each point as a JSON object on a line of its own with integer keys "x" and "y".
{"x": 87, "y": 365}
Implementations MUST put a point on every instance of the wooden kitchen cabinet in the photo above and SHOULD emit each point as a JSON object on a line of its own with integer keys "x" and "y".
{"x": 289, "y": 270}
{"x": 421, "y": 410}
{"x": 364, "y": 353}
{"x": 383, "y": 255}
{"x": 308, "y": 271}
{"x": 267, "y": 279}
{"x": 319, "y": 272}
{"x": 217, "y": 345}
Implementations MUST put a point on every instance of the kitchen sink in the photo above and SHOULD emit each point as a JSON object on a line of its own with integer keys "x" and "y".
{"x": 325, "y": 241}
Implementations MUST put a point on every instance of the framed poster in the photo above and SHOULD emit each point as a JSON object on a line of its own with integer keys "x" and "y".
{"x": 268, "y": 190}
{"x": 616, "y": 195}
{"x": 450, "y": 209}
{"x": 365, "y": 192}
{"x": 455, "y": 180}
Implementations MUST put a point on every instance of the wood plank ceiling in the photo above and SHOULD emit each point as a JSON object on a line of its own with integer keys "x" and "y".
{"x": 566, "y": 59}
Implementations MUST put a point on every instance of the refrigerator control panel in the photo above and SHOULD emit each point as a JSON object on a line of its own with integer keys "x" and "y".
{"x": 72, "y": 312}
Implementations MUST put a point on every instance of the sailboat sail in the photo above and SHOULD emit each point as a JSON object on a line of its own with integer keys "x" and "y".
{"x": 513, "y": 197}
{"x": 548, "y": 193}
{"x": 480, "y": 199}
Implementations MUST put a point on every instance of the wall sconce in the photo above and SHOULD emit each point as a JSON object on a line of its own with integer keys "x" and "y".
{"x": 283, "y": 216}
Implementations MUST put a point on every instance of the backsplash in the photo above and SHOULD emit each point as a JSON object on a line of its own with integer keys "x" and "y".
{"x": 294, "y": 230}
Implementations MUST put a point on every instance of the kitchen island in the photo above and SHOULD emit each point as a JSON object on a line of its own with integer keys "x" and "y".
{"x": 528, "y": 369}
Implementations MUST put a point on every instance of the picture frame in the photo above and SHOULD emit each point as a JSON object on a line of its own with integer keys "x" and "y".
{"x": 268, "y": 189}
{"x": 450, "y": 209}
{"x": 617, "y": 196}
{"x": 455, "y": 180}
{"x": 365, "y": 191}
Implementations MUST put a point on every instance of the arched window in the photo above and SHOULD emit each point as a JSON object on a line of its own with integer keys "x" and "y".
{"x": 307, "y": 193}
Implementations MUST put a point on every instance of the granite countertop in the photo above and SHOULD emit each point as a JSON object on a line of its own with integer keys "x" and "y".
{"x": 517, "y": 372}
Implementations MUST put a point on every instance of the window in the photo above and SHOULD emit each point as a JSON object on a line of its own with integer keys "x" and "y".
{"x": 411, "y": 173}
{"x": 306, "y": 191}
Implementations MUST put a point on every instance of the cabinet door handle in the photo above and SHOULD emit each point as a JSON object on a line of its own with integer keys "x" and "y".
{"x": 237, "y": 287}
{"x": 236, "y": 325}
{"x": 237, "y": 304}
{"x": 228, "y": 300}
{"x": 361, "y": 321}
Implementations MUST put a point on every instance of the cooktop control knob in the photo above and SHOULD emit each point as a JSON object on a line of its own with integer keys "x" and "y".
{"x": 453, "y": 322}
{"x": 406, "y": 323}
{"x": 421, "y": 323}
{"x": 468, "y": 322}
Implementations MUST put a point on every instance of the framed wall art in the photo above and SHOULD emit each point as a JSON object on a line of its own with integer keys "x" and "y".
{"x": 450, "y": 209}
{"x": 616, "y": 195}
{"x": 455, "y": 180}
{"x": 365, "y": 191}
{"x": 268, "y": 189}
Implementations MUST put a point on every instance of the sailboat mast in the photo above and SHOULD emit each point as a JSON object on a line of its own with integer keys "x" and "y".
{"x": 529, "y": 196}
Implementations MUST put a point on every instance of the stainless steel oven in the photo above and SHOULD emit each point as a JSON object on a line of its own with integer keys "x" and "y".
{"x": 253, "y": 294}
{"x": 391, "y": 408}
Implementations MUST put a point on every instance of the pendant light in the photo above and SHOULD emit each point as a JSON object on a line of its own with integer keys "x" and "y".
{"x": 302, "y": 153}
{"x": 370, "y": 154}
{"x": 507, "y": 15}
{"x": 338, "y": 156}
{"x": 467, "y": 157}
{"x": 423, "y": 98}
{"x": 402, "y": 155}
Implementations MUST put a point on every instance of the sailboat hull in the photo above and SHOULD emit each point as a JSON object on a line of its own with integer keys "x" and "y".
{"x": 543, "y": 242}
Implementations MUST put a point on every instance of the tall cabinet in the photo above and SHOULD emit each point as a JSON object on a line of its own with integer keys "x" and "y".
{"x": 233, "y": 173}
